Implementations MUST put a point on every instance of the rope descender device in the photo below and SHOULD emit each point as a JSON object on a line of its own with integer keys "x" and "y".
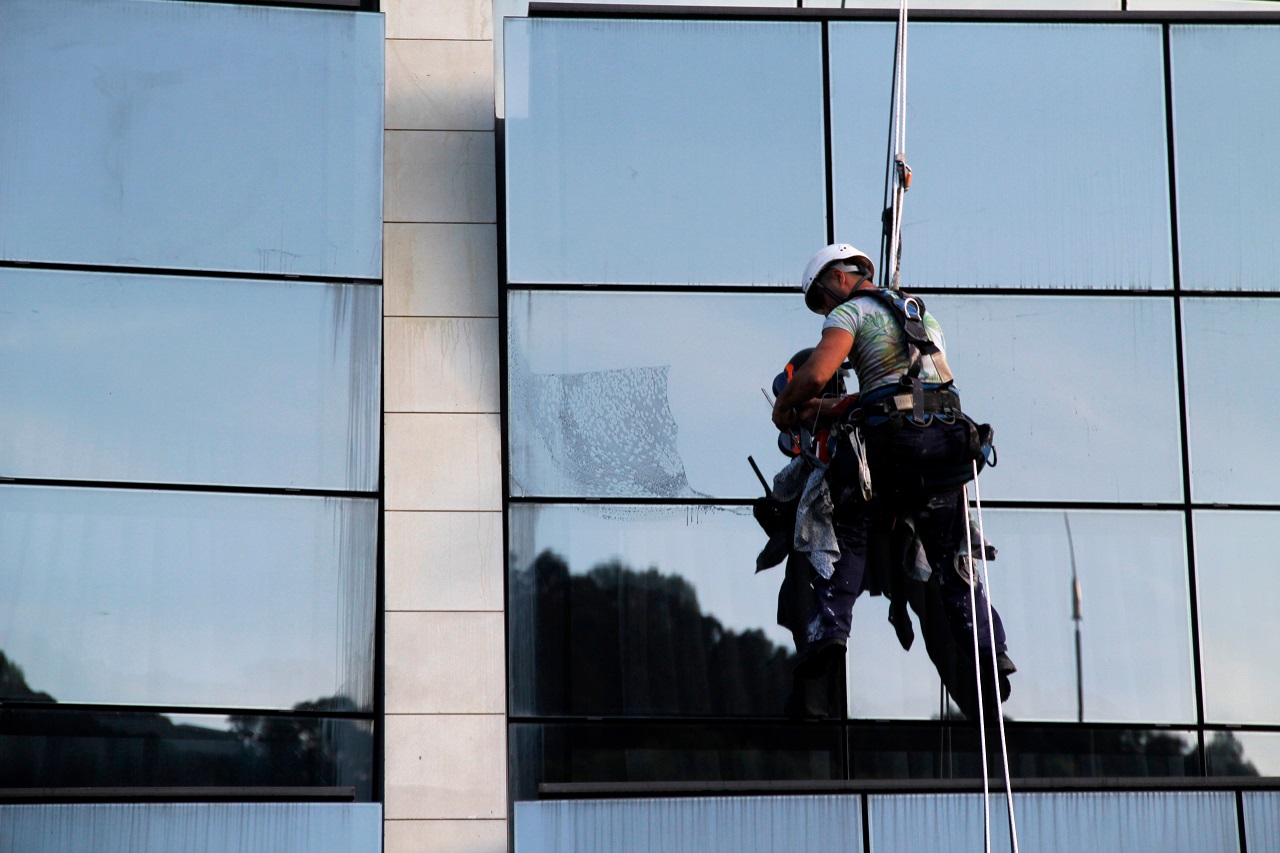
{"x": 904, "y": 172}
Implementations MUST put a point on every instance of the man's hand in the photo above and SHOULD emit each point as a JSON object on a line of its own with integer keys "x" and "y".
{"x": 784, "y": 419}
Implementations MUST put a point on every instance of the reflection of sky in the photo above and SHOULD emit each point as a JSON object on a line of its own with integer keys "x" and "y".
{"x": 1136, "y": 627}
{"x": 137, "y": 597}
{"x": 1237, "y": 590}
{"x": 1226, "y": 108}
{"x": 1023, "y": 175}
{"x": 1081, "y": 391}
{"x": 188, "y": 380}
{"x": 1232, "y": 461}
{"x": 663, "y": 151}
{"x": 191, "y": 136}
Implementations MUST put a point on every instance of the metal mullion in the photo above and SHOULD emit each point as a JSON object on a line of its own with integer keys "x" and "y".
{"x": 182, "y": 272}
{"x": 187, "y": 487}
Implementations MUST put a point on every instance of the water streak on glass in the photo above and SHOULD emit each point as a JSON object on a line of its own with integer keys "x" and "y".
{"x": 1226, "y": 121}
{"x": 1224, "y": 340}
{"x": 191, "y": 136}
{"x": 1236, "y": 590}
{"x": 1038, "y": 152}
{"x": 680, "y": 152}
{"x": 123, "y": 377}
{"x": 1108, "y": 822}
{"x": 187, "y": 599}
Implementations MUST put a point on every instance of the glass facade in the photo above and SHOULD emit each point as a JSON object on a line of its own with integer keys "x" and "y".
{"x": 1067, "y": 231}
{"x": 190, "y": 383}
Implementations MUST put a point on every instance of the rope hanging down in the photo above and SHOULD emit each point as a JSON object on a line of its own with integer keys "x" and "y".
{"x": 900, "y": 175}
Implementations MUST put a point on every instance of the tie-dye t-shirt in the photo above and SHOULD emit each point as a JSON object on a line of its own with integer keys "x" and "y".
{"x": 879, "y": 354}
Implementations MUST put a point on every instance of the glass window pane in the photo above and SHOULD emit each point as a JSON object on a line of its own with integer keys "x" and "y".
{"x": 117, "y": 596}
{"x": 697, "y": 752}
{"x": 1108, "y": 822}
{"x": 1082, "y": 393}
{"x": 1224, "y": 339}
{"x": 189, "y": 380}
{"x": 707, "y": 824}
{"x": 684, "y": 152}
{"x": 1024, "y": 176}
{"x": 1262, "y": 820}
{"x": 601, "y": 405}
{"x": 191, "y": 136}
{"x": 1226, "y": 112}
{"x": 192, "y": 827}
{"x": 644, "y": 610}
{"x": 91, "y": 749}
{"x": 1237, "y": 588}
{"x": 1230, "y": 753}
{"x": 1135, "y": 609}
{"x": 953, "y": 751}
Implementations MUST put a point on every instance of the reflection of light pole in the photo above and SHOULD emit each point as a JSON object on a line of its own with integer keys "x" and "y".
{"x": 1075, "y": 617}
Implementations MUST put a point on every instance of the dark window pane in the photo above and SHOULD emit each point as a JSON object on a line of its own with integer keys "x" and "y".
{"x": 179, "y": 380}
{"x": 1231, "y": 460}
{"x": 191, "y": 136}
{"x": 585, "y": 753}
{"x": 1226, "y": 111}
{"x": 76, "y": 749}
{"x": 118, "y": 596}
{"x": 1082, "y": 393}
{"x": 1237, "y": 588}
{"x": 685, "y": 152}
{"x": 1135, "y": 625}
{"x": 953, "y": 751}
{"x": 643, "y": 610}
{"x": 1230, "y": 753}
{"x": 1106, "y": 821}
{"x": 1038, "y": 150}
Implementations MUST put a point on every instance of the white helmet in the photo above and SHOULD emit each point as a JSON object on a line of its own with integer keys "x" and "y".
{"x": 829, "y": 255}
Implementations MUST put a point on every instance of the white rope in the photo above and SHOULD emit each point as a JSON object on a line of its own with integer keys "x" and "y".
{"x": 995, "y": 673}
{"x": 977, "y": 670}
{"x": 898, "y": 150}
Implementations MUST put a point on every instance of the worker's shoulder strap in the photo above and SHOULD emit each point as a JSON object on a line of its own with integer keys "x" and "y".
{"x": 909, "y": 311}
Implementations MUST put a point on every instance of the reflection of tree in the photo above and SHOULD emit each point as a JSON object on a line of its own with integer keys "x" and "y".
{"x": 618, "y": 640}
{"x": 44, "y": 745}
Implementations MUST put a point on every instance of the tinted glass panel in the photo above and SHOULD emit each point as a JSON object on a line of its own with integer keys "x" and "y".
{"x": 663, "y": 151}
{"x": 1038, "y": 152}
{"x": 75, "y": 749}
{"x": 175, "y": 598}
{"x": 1108, "y": 822}
{"x": 192, "y": 136}
{"x": 193, "y": 827}
{"x": 708, "y": 824}
{"x": 1237, "y": 587}
{"x": 950, "y": 751}
{"x": 644, "y": 610}
{"x": 1232, "y": 461}
{"x": 1226, "y": 110}
{"x": 181, "y": 380}
{"x": 1082, "y": 393}
{"x": 1242, "y": 754}
{"x": 646, "y": 395}
{"x": 1262, "y": 820}
{"x": 1135, "y": 625}
{"x": 669, "y": 753}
